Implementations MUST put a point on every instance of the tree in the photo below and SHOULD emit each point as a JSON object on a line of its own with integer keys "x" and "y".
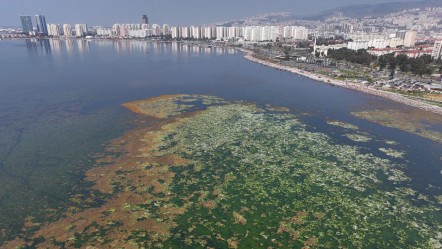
{"x": 417, "y": 66}
{"x": 287, "y": 51}
{"x": 402, "y": 62}
{"x": 360, "y": 57}
{"x": 426, "y": 59}
{"x": 383, "y": 62}
{"x": 392, "y": 64}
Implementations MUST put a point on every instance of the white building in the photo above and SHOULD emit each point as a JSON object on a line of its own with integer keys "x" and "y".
{"x": 195, "y": 32}
{"x": 221, "y": 33}
{"x": 268, "y": 33}
{"x": 156, "y": 30}
{"x": 377, "y": 43}
{"x": 234, "y": 32}
{"x": 185, "y": 32}
{"x": 54, "y": 30}
{"x": 437, "y": 50}
{"x": 208, "y": 34}
{"x": 255, "y": 34}
{"x": 67, "y": 30}
{"x": 80, "y": 30}
{"x": 166, "y": 29}
{"x": 383, "y": 51}
{"x": 175, "y": 32}
{"x": 287, "y": 32}
{"x": 356, "y": 45}
{"x": 395, "y": 41}
{"x": 410, "y": 39}
{"x": 138, "y": 33}
{"x": 247, "y": 33}
{"x": 365, "y": 37}
{"x": 346, "y": 28}
{"x": 323, "y": 50}
{"x": 301, "y": 33}
{"x": 104, "y": 32}
{"x": 116, "y": 30}
{"x": 365, "y": 44}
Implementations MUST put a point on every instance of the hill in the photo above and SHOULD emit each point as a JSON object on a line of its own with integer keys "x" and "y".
{"x": 353, "y": 11}
{"x": 375, "y": 10}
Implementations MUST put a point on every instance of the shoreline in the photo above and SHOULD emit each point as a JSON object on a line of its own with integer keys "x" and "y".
{"x": 320, "y": 78}
{"x": 353, "y": 86}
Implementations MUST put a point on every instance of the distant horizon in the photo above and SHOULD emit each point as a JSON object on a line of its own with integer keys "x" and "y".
{"x": 172, "y": 12}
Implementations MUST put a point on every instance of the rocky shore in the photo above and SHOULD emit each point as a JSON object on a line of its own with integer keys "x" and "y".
{"x": 358, "y": 87}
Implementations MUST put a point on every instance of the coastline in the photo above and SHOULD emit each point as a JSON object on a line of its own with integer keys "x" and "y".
{"x": 353, "y": 86}
{"x": 321, "y": 78}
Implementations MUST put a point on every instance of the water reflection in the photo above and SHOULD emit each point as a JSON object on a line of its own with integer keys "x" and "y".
{"x": 31, "y": 45}
{"x": 45, "y": 46}
{"x": 69, "y": 47}
{"x": 56, "y": 46}
{"x": 83, "y": 46}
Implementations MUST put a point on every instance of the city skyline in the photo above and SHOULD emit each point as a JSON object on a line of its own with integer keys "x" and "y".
{"x": 106, "y": 13}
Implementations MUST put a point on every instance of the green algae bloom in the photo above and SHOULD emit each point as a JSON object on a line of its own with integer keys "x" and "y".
{"x": 225, "y": 174}
{"x": 267, "y": 168}
{"x": 392, "y": 152}
{"x": 342, "y": 124}
{"x": 358, "y": 138}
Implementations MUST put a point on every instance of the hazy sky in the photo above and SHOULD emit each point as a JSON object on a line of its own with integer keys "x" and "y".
{"x": 174, "y": 12}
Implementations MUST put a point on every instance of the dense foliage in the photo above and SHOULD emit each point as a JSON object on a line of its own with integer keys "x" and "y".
{"x": 360, "y": 57}
{"x": 417, "y": 66}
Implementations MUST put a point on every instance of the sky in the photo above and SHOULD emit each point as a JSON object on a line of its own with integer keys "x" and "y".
{"x": 173, "y": 12}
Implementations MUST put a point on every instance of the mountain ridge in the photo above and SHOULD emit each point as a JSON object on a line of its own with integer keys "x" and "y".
{"x": 375, "y": 10}
{"x": 352, "y": 11}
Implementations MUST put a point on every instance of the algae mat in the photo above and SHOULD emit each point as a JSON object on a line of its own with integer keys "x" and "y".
{"x": 412, "y": 121}
{"x": 202, "y": 172}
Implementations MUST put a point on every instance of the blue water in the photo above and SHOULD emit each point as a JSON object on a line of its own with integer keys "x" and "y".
{"x": 60, "y": 102}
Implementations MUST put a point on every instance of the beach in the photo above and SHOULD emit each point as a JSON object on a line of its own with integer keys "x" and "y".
{"x": 354, "y": 86}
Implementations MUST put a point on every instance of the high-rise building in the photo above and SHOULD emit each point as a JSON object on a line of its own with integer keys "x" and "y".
{"x": 166, "y": 29}
{"x": 41, "y": 24}
{"x": 54, "y": 30}
{"x": 208, "y": 33}
{"x": 221, "y": 32}
{"x": 144, "y": 19}
{"x": 410, "y": 39}
{"x": 346, "y": 28}
{"x": 300, "y": 33}
{"x": 80, "y": 30}
{"x": 67, "y": 30}
{"x": 156, "y": 29}
{"x": 185, "y": 32}
{"x": 401, "y": 34}
{"x": 395, "y": 42}
{"x": 437, "y": 50}
{"x": 104, "y": 32}
{"x": 230, "y": 32}
{"x": 195, "y": 32}
{"x": 26, "y": 23}
{"x": 175, "y": 32}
